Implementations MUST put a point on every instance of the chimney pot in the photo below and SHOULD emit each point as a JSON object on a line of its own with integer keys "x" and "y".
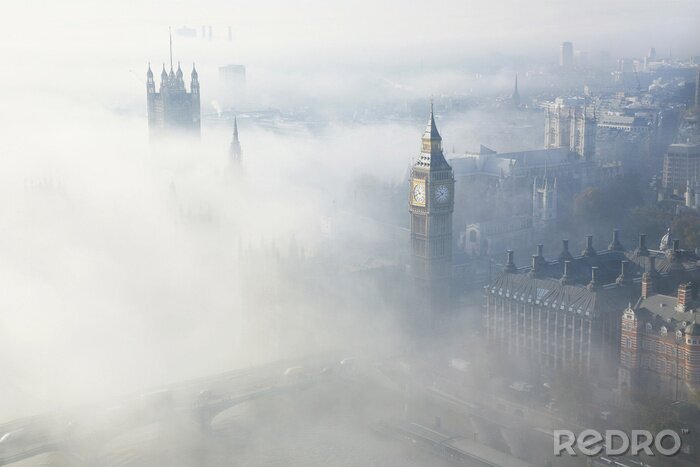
{"x": 594, "y": 278}
{"x": 510, "y": 264}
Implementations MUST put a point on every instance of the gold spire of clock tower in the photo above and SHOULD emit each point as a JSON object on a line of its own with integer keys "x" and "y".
{"x": 431, "y": 149}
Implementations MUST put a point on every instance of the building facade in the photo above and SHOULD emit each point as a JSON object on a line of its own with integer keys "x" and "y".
{"x": 660, "y": 339}
{"x": 681, "y": 165}
{"x": 562, "y": 314}
{"x": 566, "y": 56}
{"x": 570, "y": 123}
{"x": 431, "y": 204}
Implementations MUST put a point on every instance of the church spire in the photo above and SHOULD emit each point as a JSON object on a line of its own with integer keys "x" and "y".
{"x": 431, "y": 131}
{"x": 431, "y": 156}
{"x": 515, "y": 98}
{"x": 235, "y": 152}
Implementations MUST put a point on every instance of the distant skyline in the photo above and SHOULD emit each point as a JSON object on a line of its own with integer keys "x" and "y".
{"x": 364, "y": 33}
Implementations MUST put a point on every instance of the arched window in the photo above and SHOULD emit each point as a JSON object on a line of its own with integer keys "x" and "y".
{"x": 679, "y": 334}
{"x": 472, "y": 236}
{"x": 648, "y": 327}
{"x": 664, "y": 331}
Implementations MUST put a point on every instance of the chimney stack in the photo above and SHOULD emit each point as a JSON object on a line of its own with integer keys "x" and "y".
{"x": 623, "y": 278}
{"x": 647, "y": 285}
{"x": 510, "y": 264}
{"x": 565, "y": 279}
{"x": 593, "y": 284}
{"x": 589, "y": 251}
{"x": 642, "y": 248}
{"x": 565, "y": 254}
{"x": 534, "y": 270}
{"x": 651, "y": 266}
{"x": 615, "y": 245}
{"x": 684, "y": 297}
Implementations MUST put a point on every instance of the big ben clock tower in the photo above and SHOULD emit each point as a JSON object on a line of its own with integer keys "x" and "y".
{"x": 431, "y": 203}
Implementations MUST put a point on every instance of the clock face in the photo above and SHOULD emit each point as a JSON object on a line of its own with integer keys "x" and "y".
{"x": 419, "y": 193}
{"x": 442, "y": 193}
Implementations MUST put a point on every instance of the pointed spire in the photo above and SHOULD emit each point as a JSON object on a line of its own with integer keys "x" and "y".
{"x": 431, "y": 156}
{"x": 195, "y": 75}
{"x": 431, "y": 130}
{"x": 235, "y": 149}
{"x": 149, "y": 73}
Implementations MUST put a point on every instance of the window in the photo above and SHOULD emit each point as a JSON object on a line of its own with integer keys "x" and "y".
{"x": 472, "y": 236}
{"x": 664, "y": 331}
{"x": 648, "y": 327}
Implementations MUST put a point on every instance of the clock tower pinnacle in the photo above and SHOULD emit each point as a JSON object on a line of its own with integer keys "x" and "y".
{"x": 431, "y": 203}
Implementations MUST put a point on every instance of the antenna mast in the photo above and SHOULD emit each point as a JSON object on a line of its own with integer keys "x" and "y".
{"x": 170, "y": 31}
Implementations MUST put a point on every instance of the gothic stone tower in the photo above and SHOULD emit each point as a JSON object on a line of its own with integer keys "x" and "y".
{"x": 172, "y": 108}
{"x": 431, "y": 203}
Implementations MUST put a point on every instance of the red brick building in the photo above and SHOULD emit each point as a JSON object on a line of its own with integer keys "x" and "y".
{"x": 660, "y": 338}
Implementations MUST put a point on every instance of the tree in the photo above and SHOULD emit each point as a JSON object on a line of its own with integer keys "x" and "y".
{"x": 650, "y": 220}
{"x": 686, "y": 228}
{"x": 608, "y": 204}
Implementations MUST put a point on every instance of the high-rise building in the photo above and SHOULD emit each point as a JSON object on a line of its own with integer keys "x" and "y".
{"x": 681, "y": 164}
{"x": 570, "y": 123}
{"x": 697, "y": 89}
{"x": 566, "y": 56}
{"x": 233, "y": 79}
{"x": 431, "y": 204}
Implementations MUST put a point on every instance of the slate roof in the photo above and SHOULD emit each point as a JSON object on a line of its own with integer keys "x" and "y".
{"x": 551, "y": 293}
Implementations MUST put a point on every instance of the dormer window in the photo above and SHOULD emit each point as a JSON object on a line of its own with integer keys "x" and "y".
{"x": 648, "y": 327}
{"x": 664, "y": 331}
{"x": 679, "y": 335}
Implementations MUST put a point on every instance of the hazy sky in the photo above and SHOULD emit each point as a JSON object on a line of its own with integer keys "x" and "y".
{"x": 100, "y": 285}
{"x": 362, "y": 31}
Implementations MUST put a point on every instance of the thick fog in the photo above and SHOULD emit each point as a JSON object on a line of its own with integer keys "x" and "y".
{"x": 126, "y": 265}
